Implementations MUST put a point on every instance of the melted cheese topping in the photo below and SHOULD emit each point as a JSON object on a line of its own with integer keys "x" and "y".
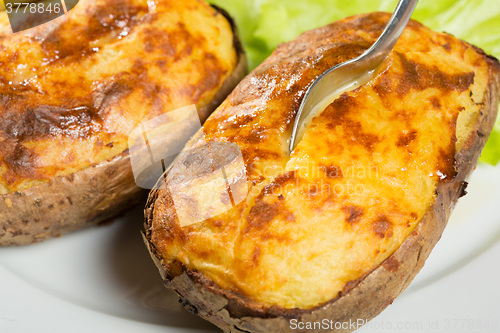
{"x": 73, "y": 89}
{"x": 359, "y": 181}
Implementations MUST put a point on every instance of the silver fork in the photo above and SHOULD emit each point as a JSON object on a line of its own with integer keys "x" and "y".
{"x": 355, "y": 72}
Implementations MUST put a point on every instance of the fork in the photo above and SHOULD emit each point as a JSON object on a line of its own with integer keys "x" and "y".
{"x": 353, "y": 73}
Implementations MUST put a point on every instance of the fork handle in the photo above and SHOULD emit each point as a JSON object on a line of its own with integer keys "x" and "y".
{"x": 385, "y": 43}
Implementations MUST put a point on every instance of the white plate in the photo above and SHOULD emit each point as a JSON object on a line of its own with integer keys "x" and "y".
{"x": 102, "y": 279}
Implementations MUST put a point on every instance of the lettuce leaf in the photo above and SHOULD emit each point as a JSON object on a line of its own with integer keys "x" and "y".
{"x": 263, "y": 24}
{"x": 491, "y": 152}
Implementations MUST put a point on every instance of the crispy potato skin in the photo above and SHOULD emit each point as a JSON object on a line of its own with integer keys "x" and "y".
{"x": 73, "y": 89}
{"x": 421, "y": 123}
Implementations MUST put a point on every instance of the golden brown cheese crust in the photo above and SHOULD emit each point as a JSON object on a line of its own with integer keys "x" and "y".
{"x": 80, "y": 84}
{"x": 73, "y": 89}
{"x": 366, "y": 173}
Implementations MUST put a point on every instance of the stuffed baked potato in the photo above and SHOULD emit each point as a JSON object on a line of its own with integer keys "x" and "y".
{"x": 337, "y": 229}
{"x": 72, "y": 90}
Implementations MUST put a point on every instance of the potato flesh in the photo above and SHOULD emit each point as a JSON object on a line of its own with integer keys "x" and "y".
{"x": 73, "y": 89}
{"x": 358, "y": 183}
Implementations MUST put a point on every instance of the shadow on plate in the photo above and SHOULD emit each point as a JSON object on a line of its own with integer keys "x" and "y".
{"x": 132, "y": 268}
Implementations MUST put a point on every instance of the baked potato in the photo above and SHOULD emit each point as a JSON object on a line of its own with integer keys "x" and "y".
{"x": 72, "y": 91}
{"x": 338, "y": 228}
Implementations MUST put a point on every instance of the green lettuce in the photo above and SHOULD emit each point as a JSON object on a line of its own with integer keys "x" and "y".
{"x": 263, "y": 24}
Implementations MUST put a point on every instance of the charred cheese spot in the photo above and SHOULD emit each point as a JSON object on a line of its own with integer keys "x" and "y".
{"x": 436, "y": 103}
{"x": 352, "y": 213}
{"x": 383, "y": 86}
{"x": 20, "y": 162}
{"x": 44, "y": 121}
{"x": 338, "y": 117}
{"x": 277, "y": 185}
{"x": 405, "y": 139}
{"x": 261, "y": 214}
{"x": 418, "y": 76}
{"x": 382, "y": 227}
{"x": 332, "y": 171}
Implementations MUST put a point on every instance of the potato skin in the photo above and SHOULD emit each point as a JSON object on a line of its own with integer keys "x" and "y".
{"x": 101, "y": 191}
{"x": 68, "y": 203}
{"x": 364, "y": 298}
